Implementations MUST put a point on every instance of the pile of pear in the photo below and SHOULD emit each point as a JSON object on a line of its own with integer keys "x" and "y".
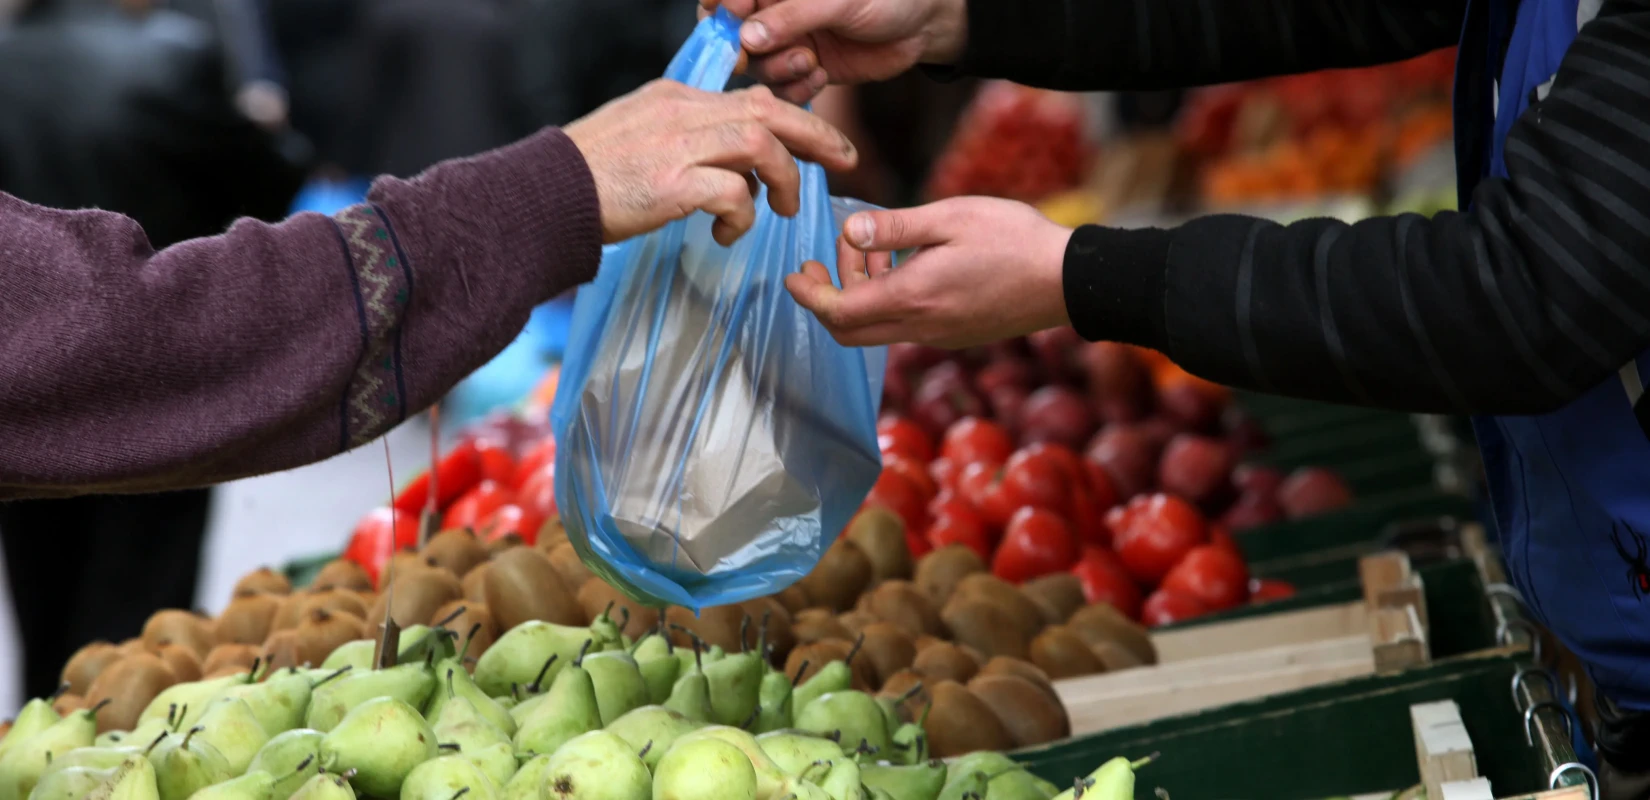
{"x": 551, "y": 712}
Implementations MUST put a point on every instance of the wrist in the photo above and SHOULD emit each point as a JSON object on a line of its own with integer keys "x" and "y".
{"x": 1114, "y": 283}
{"x": 946, "y": 34}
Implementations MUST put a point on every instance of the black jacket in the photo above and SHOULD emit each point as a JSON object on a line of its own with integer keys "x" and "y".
{"x": 129, "y": 114}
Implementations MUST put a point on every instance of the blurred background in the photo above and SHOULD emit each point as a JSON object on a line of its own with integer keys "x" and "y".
{"x": 186, "y": 114}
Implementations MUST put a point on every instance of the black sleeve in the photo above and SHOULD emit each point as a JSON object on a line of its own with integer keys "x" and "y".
{"x": 1087, "y": 45}
{"x": 1516, "y": 306}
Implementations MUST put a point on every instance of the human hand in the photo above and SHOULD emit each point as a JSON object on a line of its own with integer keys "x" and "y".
{"x": 797, "y": 46}
{"x": 987, "y": 269}
{"x": 665, "y": 151}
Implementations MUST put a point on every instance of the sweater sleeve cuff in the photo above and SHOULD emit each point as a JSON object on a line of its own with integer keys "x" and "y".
{"x": 544, "y": 195}
{"x": 1014, "y": 38}
{"x": 1114, "y": 281}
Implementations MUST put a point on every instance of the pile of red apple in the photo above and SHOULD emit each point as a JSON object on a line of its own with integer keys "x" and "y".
{"x": 1014, "y": 142}
{"x": 1048, "y": 454}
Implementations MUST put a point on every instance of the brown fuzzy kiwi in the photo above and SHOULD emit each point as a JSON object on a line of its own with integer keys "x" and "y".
{"x": 717, "y": 626}
{"x": 68, "y": 703}
{"x": 132, "y": 647}
{"x": 1063, "y": 654}
{"x": 262, "y": 580}
{"x": 945, "y": 661}
{"x": 172, "y": 626}
{"x": 960, "y": 723}
{"x": 1002, "y": 665}
{"x": 1116, "y": 657}
{"x": 405, "y": 562}
{"x": 1027, "y": 616}
{"x": 904, "y": 684}
{"x": 855, "y": 621}
{"x": 551, "y": 534}
{"x": 475, "y": 583}
{"x": 1029, "y": 714}
{"x": 181, "y": 660}
{"x": 247, "y": 619}
{"x": 522, "y": 586}
{"x": 417, "y": 595}
{"x": 839, "y": 578}
{"x": 939, "y": 572}
{"x": 925, "y": 641}
{"x": 508, "y": 541}
{"x": 83, "y": 667}
{"x": 903, "y": 604}
{"x": 979, "y": 657}
{"x": 340, "y": 600}
{"x": 568, "y": 564}
{"x": 281, "y": 650}
{"x": 228, "y": 659}
{"x": 1099, "y": 622}
{"x": 766, "y": 610}
{"x": 1058, "y": 596}
{"x": 475, "y": 617}
{"x": 794, "y": 598}
{"x": 128, "y": 684}
{"x": 595, "y": 596}
{"x": 818, "y": 624}
{"x": 818, "y": 654}
{"x": 880, "y": 534}
{"x": 342, "y": 574}
{"x": 888, "y": 648}
{"x": 985, "y": 626}
{"x": 291, "y": 611}
{"x": 324, "y": 631}
{"x": 456, "y": 550}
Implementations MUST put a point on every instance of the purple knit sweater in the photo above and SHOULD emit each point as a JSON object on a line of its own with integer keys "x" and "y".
{"x": 271, "y": 346}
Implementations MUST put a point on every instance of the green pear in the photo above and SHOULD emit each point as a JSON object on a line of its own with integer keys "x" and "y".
{"x": 854, "y": 714}
{"x": 519, "y": 655}
{"x": 231, "y": 728}
{"x": 331, "y": 701}
{"x": 93, "y": 757}
{"x": 279, "y": 703}
{"x": 797, "y": 788}
{"x": 527, "y": 780}
{"x": 325, "y": 786}
{"x": 427, "y": 645}
{"x": 620, "y": 687}
{"x": 357, "y": 654}
{"x": 690, "y": 696}
{"x": 909, "y": 742}
{"x": 285, "y": 755}
{"x": 905, "y": 782}
{"x": 254, "y": 785}
{"x": 652, "y": 730}
{"x": 795, "y": 751}
{"x": 462, "y": 725}
{"x": 596, "y": 766}
{"x": 1019, "y": 784}
{"x": 961, "y": 783}
{"x": 843, "y": 781}
{"x": 187, "y": 764}
{"x": 1113, "y": 780}
{"x": 445, "y": 778}
{"x": 705, "y": 769}
{"x": 72, "y": 783}
{"x": 35, "y": 716}
{"x": 456, "y": 682}
{"x": 658, "y": 664}
{"x": 24, "y": 762}
{"x": 652, "y": 645}
{"x": 134, "y": 779}
{"x": 836, "y": 676}
{"x": 569, "y": 709}
{"x": 381, "y": 741}
{"x": 768, "y": 774}
{"x": 735, "y": 683}
{"x": 182, "y": 704}
{"x": 773, "y": 699}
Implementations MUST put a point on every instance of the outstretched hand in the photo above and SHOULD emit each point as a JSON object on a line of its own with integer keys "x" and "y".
{"x": 986, "y": 269}
{"x": 797, "y": 46}
{"x": 665, "y": 151}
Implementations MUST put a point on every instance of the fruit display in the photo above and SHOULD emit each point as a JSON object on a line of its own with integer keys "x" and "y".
{"x": 1014, "y": 141}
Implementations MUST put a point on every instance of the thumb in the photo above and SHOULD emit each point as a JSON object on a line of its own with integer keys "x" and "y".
{"x": 781, "y": 24}
{"x": 900, "y": 229}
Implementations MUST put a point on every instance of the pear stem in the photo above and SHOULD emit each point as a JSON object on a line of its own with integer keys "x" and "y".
{"x": 336, "y": 673}
{"x": 762, "y": 634}
{"x": 1144, "y": 761}
{"x": 61, "y": 689}
{"x": 579, "y": 662}
{"x": 801, "y": 670}
{"x": 624, "y": 617}
{"x": 468, "y": 638}
{"x": 157, "y": 740}
{"x": 191, "y": 735}
{"x": 452, "y": 746}
{"x": 915, "y": 690}
{"x": 183, "y": 711}
{"x": 1161, "y": 792}
{"x": 460, "y": 793}
{"x": 744, "y": 630}
{"x": 450, "y": 692}
{"x": 457, "y": 612}
{"x": 171, "y": 715}
{"x": 252, "y": 675}
{"x": 608, "y": 609}
{"x": 751, "y": 720}
{"x": 855, "y": 651}
{"x": 922, "y": 721}
{"x": 534, "y": 687}
{"x": 645, "y": 748}
{"x": 92, "y": 712}
{"x": 302, "y": 765}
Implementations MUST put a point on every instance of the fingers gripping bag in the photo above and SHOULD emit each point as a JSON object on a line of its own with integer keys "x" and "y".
{"x": 712, "y": 438}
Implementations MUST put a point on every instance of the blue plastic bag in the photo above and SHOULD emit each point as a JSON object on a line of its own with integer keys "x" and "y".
{"x": 712, "y": 438}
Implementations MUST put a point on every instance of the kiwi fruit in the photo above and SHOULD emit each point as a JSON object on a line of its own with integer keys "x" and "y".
{"x": 128, "y": 684}
{"x": 818, "y": 654}
{"x": 455, "y": 550}
{"x": 888, "y": 648}
{"x": 945, "y": 661}
{"x": 85, "y": 665}
{"x": 342, "y": 574}
{"x": 594, "y": 597}
{"x": 855, "y": 621}
{"x": 1116, "y": 657}
{"x": 228, "y": 659}
{"x": 768, "y": 611}
{"x": 172, "y": 626}
{"x": 247, "y": 619}
{"x": 1029, "y": 714}
{"x": 1099, "y": 622}
{"x": 417, "y": 595}
{"x": 924, "y": 641}
{"x": 985, "y": 626}
{"x": 551, "y": 534}
{"x": 475, "y": 583}
{"x": 794, "y": 598}
{"x": 880, "y": 534}
{"x": 281, "y": 650}
{"x": 903, "y": 604}
{"x": 939, "y": 572}
{"x": 501, "y": 544}
{"x": 818, "y": 624}
{"x": 1003, "y": 665}
{"x": 904, "y": 684}
{"x": 291, "y": 611}
{"x": 960, "y": 723}
{"x": 839, "y": 577}
{"x": 262, "y": 580}
{"x": 1058, "y": 596}
{"x": 342, "y": 600}
{"x": 405, "y": 562}
{"x": 1027, "y": 616}
{"x": 1063, "y": 654}
{"x": 183, "y": 662}
{"x": 472, "y": 616}
{"x": 718, "y": 625}
{"x": 521, "y": 585}
{"x": 68, "y": 703}
{"x": 132, "y": 647}
{"x": 980, "y": 658}
{"x": 324, "y": 631}
{"x": 568, "y": 564}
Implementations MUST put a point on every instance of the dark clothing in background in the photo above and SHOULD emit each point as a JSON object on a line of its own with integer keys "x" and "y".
{"x": 575, "y": 56}
{"x": 106, "y": 110}
{"x": 316, "y": 42}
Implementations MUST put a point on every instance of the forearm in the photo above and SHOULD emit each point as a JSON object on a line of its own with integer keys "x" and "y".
{"x": 1089, "y": 45}
{"x": 271, "y": 346}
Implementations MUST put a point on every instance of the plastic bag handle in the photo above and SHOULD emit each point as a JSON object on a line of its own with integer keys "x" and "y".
{"x": 708, "y": 57}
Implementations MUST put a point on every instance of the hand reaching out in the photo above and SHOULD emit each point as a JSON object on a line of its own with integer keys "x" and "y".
{"x": 986, "y": 270}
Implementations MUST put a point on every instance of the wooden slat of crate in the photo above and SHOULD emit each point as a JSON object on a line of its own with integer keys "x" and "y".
{"x": 1261, "y": 633}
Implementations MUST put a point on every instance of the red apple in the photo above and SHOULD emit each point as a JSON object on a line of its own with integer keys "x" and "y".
{"x": 1006, "y": 404}
{"x": 1120, "y": 385}
{"x": 1056, "y": 414}
{"x": 1166, "y": 606}
{"x": 1195, "y": 467}
{"x": 1257, "y": 479}
{"x": 1313, "y": 490}
{"x": 1252, "y": 510}
{"x": 1128, "y": 457}
{"x": 1188, "y": 406}
{"x": 1006, "y": 372}
{"x": 944, "y": 396}
{"x": 1056, "y": 349}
